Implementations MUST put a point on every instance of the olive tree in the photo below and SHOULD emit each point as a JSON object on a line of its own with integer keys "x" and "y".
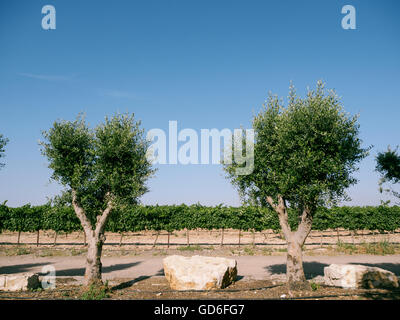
{"x": 101, "y": 168}
{"x": 388, "y": 165}
{"x": 304, "y": 155}
{"x": 3, "y": 142}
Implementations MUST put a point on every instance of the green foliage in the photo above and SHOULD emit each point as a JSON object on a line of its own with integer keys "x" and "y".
{"x": 190, "y": 248}
{"x": 102, "y": 165}
{"x": 97, "y": 292}
{"x": 22, "y": 251}
{"x": 315, "y": 286}
{"x": 23, "y": 219}
{"x": 69, "y": 149}
{"x": 4, "y": 214}
{"x": 178, "y": 217}
{"x": 305, "y": 152}
{"x": 3, "y": 142}
{"x": 380, "y": 248}
{"x": 61, "y": 219}
{"x": 388, "y": 165}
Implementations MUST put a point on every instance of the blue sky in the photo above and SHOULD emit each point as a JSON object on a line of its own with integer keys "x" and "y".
{"x": 206, "y": 64}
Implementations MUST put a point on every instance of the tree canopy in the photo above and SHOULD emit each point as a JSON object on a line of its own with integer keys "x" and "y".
{"x": 3, "y": 142}
{"x": 388, "y": 165}
{"x": 305, "y": 152}
{"x": 101, "y": 164}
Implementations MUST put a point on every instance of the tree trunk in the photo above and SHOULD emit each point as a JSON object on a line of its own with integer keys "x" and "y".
{"x": 168, "y": 239}
{"x": 187, "y": 237}
{"x": 37, "y": 238}
{"x": 155, "y": 240}
{"x": 295, "y": 277}
{"x": 239, "y": 237}
{"x": 55, "y": 238}
{"x": 294, "y": 266}
{"x": 222, "y": 237}
{"x": 265, "y": 234}
{"x": 254, "y": 237}
{"x": 93, "y": 259}
{"x": 120, "y": 238}
{"x": 320, "y": 240}
{"x": 96, "y": 239}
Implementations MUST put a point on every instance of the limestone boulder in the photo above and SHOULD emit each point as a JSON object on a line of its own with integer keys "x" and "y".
{"x": 199, "y": 272}
{"x": 19, "y": 282}
{"x": 359, "y": 276}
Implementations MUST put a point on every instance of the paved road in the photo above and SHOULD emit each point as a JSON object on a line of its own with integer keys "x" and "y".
{"x": 255, "y": 267}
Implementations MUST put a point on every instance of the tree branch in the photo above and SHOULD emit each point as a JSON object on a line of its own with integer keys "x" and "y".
{"x": 282, "y": 215}
{"x": 81, "y": 213}
{"x": 101, "y": 220}
{"x": 271, "y": 202}
{"x": 305, "y": 224}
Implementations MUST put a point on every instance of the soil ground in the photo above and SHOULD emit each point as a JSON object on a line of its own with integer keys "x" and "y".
{"x": 134, "y": 268}
{"x": 148, "y": 239}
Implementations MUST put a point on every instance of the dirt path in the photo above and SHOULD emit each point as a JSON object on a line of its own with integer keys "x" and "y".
{"x": 251, "y": 267}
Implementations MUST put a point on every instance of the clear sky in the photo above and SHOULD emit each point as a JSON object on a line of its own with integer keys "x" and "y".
{"x": 205, "y": 64}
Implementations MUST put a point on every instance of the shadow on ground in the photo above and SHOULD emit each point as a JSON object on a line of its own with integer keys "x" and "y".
{"x": 21, "y": 268}
{"x": 81, "y": 271}
{"x": 389, "y": 294}
{"x": 130, "y": 283}
{"x": 313, "y": 269}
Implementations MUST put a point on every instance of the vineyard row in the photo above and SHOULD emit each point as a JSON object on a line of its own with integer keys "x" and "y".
{"x": 179, "y": 217}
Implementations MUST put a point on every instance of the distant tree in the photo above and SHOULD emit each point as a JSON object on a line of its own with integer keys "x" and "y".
{"x": 3, "y": 142}
{"x": 304, "y": 157}
{"x": 388, "y": 165}
{"x": 101, "y": 169}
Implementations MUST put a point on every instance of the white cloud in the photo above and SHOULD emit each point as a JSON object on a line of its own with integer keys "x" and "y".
{"x": 120, "y": 94}
{"x": 46, "y": 77}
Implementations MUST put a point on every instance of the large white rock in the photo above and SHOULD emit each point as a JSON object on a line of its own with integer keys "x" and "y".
{"x": 19, "y": 282}
{"x": 359, "y": 276}
{"x": 199, "y": 272}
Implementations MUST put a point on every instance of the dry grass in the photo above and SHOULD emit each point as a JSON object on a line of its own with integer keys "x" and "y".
{"x": 158, "y": 288}
{"x": 380, "y": 248}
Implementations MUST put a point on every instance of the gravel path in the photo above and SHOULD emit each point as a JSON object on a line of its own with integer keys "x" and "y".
{"x": 252, "y": 267}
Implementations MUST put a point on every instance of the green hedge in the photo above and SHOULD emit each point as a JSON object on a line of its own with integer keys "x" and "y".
{"x": 178, "y": 217}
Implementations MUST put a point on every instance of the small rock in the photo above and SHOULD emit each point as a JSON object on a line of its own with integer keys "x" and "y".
{"x": 283, "y": 296}
{"x": 318, "y": 279}
{"x": 199, "y": 272}
{"x": 20, "y": 282}
{"x": 359, "y": 276}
